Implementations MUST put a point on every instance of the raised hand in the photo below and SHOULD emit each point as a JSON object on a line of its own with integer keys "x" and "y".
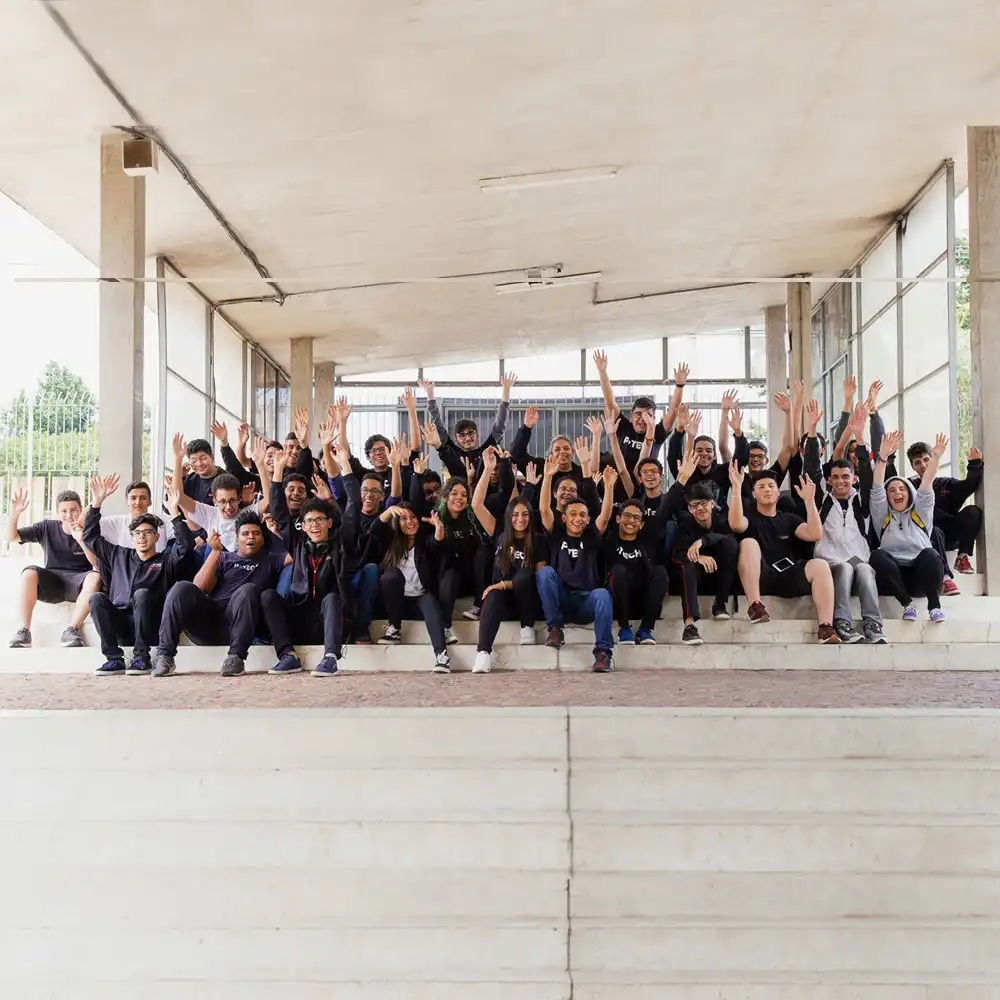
{"x": 97, "y": 493}
{"x": 611, "y": 424}
{"x": 736, "y": 420}
{"x": 431, "y": 436}
{"x": 600, "y": 362}
{"x": 681, "y": 373}
{"x": 470, "y": 471}
{"x": 531, "y": 416}
{"x": 179, "y": 445}
{"x": 345, "y": 409}
{"x": 850, "y": 389}
{"x": 404, "y": 449}
{"x": 396, "y": 452}
{"x": 507, "y": 383}
{"x": 280, "y": 461}
{"x": 610, "y": 477}
{"x": 856, "y": 425}
{"x": 531, "y": 474}
{"x": 243, "y": 434}
{"x": 322, "y": 488}
{"x": 813, "y": 415}
{"x": 729, "y": 400}
{"x": 798, "y": 388}
{"x": 19, "y": 502}
{"x": 259, "y": 451}
{"x": 683, "y": 416}
{"x": 582, "y": 450}
{"x": 873, "y": 390}
{"x": 736, "y": 476}
{"x": 420, "y": 463}
{"x": 783, "y": 401}
{"x": 975, "y": 455}
{"x": 489, "y": 460}
{"x": 215, "y": 542}
{"x": 300, "y": 424}
{"x": 688, "y": 466}
{"x": 333, "y": 413}
{"x": 890, "y": 444}
{"x": 594, "y": 425}
{"x": 409, "y": 399}
{"x": 940, "y": 445}
{"x": 220, "y": 432}
{"x": 427, "y": 387}
{"x": 172, "y": 498}
{"x": 434, "y": 519}
{"x": 327, "y": 434}
{"x": 551, "y": 467}
{"x": 806, "y": 490}
{"x": 694, "y": 423}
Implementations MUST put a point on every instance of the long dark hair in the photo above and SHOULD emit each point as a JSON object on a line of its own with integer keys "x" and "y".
{"x": 507, "y": 538}
{"x": 399, "y": 543}
{"x": 467, "y": 517}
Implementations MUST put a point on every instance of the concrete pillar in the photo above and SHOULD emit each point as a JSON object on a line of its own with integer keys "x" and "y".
{"x": 776, "y": 344}
{"x": 121, "y": 300}
{"x": 800, "y": 332}
{"x": 322, "y": 389}
{"x": 302, "y": 374}
{"x": 984, "y": 294}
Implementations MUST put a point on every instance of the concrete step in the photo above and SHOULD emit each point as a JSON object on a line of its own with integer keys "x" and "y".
{"x": 772, "y": 655}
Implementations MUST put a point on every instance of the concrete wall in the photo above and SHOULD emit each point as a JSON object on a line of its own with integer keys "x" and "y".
{"x": 494, "y": 854}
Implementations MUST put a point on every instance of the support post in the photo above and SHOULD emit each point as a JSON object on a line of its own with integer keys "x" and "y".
{"x": 302, "y": 374}
{"x": 323, "y": 389}
{"x": 984, "y": 301}
{"x": 800, "y": 332}
{"x": 121, "y": 302}
{"x": 776, "y": 347}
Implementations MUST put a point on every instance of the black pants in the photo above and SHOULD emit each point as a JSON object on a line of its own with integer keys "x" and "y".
{"x": 208, "y": 622}
{"x": 960, "y": 530}
{"x": 136, "y": 626}
{"x": 468, "y": 579}
{"x": 426, "y": 606}
{"x": 695, "y": 580}
{"x": 521, "y": 603}
{"x": 922, "y": 577}
{"x": 305, "y": 624}
{"x": 638, "y": 592}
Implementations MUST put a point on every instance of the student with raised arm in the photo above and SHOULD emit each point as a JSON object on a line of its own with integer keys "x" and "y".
{"x": 570, "y": 585}
{"x": 230, "y": 459}
{"x": 708, "y": 467}
{"x": 116, "y": 528}
{"x": 560, "y": 448}
{"x": 197, "y": 484}
{"x": 903, "y": 517}
{"x": 137, "y": 577}
{"x": 467, "y": 444}
{"x": 770, "y": 561}
{"x": 519, "y": 551}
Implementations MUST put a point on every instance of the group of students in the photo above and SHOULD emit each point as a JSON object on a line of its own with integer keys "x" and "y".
{"x": 293, "y": 549}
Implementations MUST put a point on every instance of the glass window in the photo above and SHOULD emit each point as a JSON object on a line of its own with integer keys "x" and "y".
{"x": 258, "y": 388}
{"x": 642, "y": 359}
{"x": 878, "y": 277}
{"x": 878, "y": 344}
{"x": 228, "y": 367}
{"x": 836, "y": 323}
{"x": 817, "y": 344}
{"x": 564, "y": 365}
{"x": 927, "y": 412}
{"x": 710, "y": 355}
{"x": 758, "y": 353}
{"x": 925, "y": 326}
{"x": 269, "y": 400}
{"x": 187, "y": 322}
{"x": 284, "y": 413}
{"x": 926, "y": 236}
{"x": 479, "y": 371}
{"x": 405, "y": 376}
{"x": 185, "y": 412}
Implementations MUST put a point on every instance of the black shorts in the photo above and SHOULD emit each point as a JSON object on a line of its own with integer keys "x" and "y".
{"x": 56, "y": 585}
{"x": 791, "y": 583}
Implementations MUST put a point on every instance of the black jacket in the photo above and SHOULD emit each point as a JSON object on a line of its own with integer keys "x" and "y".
{"x": 718, "y": 474}
{"x": 124, "y": 572}
{"x": 424, "y": 556}
{"x": 689, "y": 530}
{"x": 950, "y": 494}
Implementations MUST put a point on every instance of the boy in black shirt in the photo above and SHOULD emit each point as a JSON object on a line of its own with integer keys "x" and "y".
{"x": 223, "y": 603}
{"x": 137, "y": 579}
{"x": 570, "y": 585}
{"x": 198, "y": 482}
{"x": 634, "y": 579}
{"x": 769, "y": 561}
{"x": 68, "y": 574}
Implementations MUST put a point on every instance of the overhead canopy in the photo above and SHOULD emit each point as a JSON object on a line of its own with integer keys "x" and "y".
{"x": 345, "y": 143}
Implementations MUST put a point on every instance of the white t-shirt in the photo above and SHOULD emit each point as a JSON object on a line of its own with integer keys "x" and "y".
{"x": 114, "y": 528}
{"x": 412, "y": 587}
{"x": 211, "y": 519}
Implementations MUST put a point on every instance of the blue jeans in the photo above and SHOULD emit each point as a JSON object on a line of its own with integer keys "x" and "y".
{"x": 364, "y": 583}
{"x": 578, "y": 607}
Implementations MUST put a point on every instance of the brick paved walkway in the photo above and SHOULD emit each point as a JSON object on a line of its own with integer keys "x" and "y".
{"x": 673, "y": 688}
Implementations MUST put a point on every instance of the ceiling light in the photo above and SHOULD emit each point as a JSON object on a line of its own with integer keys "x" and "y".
{"x": 516, "y": 182}
{"x": 533, "y": 284}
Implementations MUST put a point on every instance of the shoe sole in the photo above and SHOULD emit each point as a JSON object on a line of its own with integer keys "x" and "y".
{"x": 853, "y": 641}
{"x": 647, "y": 642}
{"x": 721, "y": 618}
{"x": 480, "y": 670}
{"x": 626, "y": 642}
{"x": 291, "y": 670}
{"x": 110, "y": 673}
{"x": 390, "y": 642}
{"x": 19, "y": 645}
{"x": 469, "y": 618}
{"x": 693, "y": 642}
{"x": 135, "y": 672}
{"x": 602, "y": 670}
{"x": 75, "y": 644}
{"x": 325, "y": 673}
{"x": 759, "y": 621}
{"x": 453, "y": 641}
{"x": 831, "y": 640}
{"x": 169, "y": 673}
{"x": 527, "y": 642}
{"x": 442, "y": 670}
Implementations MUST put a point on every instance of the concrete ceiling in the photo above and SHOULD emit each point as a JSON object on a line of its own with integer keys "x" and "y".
{"x": 345, "y": 141}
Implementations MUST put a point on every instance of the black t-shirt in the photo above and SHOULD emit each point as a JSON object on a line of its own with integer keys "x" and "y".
{"x": 652, "y": 530}
{"x": 235, "y": 571}
{"x": 62, "y": 551}
{"x": 633, "y": 555}
{"x": 198, "y": 488}
{"x": 775, "y": 535}
{"x": 631, "y": 441}
{"x": 539, "y": 554}
{"x": 575, "y": 559}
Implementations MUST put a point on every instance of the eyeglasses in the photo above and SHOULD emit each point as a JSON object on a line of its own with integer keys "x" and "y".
{"x": 145, "y": 533}
{"x": 699, "y": 504}
{"x": 227, "y": 503}
{"x": 372, "y": 493}
{"x": 631, "y": 517}
{"x": 314, "y": 522}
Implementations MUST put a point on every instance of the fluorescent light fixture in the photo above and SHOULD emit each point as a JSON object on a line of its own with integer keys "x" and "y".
{"x": 534, "y": 284}
{"x": 518, "y": 182}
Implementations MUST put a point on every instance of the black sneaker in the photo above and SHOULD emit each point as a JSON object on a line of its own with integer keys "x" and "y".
{"x": 391, "y": 635}
{"x": 472, "y": 615}
{"x": 139, "y": 665}
{"x": 873, "y": 633}
{"x": 555, "y": 638}
{"x": 113, "y": 666}
{"x": 21, "y": 639}
{"x": 691, "y": 636}
{"x": 164, "y": 666}
{"x": 287, "y": 664}
{"x": 845, "y": 630}
{"x": 232, "y": 666}
{"x": 720, "y": 613}
{"x": 604, "y": 662}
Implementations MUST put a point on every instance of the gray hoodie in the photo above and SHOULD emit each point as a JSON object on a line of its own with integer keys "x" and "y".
{"x": 902, "y": 537}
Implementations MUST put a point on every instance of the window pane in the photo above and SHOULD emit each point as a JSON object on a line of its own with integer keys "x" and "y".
{"x": 878, "y": 343}
{"x": 228, "y": 367}
{"x": 879, "y": 277}
{"x": 541, "y": 367}
{"x": 269, "y": 400}
{"x": 258, "y": 391}
{"x": 710, "y": 355}
{"x": 926, "y": 236}
{"x": 925, "y": 326}
{"x": 187, "y": 319}
{"x": 643, "y": 359}
{"x": 405, "y": 376}
{"x": 284, "y": 397}
{"x": 479, "y": 371}
{"x": 926, "y": 410}
{"x": 817, "y": 343}
{"x": 837, "y": 323}
{"x": 758, "y": 353}
{"x": 185, "y": 411}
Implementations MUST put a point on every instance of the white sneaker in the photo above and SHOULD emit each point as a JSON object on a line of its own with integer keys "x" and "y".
{"x": 482, "y": 664}
{"x": 528, "y": 637}
{"x": 442, "y": 663}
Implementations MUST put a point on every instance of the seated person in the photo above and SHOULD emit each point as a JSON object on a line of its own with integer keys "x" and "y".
{"x": 409, "y": 578}
{"x": 638, "y": 583}
{"x": 560, "y": 448}
{"x": 69, "y": 573}
{"x": 518, "y": 553}
{"x": 223, "y": 604}
{"x": 137, "y": 579}
{"x": 708, "y": 468}
{"x": 570, "y": 585}
{"x": 236, "y": 461}
{"x": 466, "y": 446}
{"x": 705, "y": 553}
{"x": 314, "y": 609}
{"x": 117, "y": 528}
{"x": 905, "y": 561}
{"x": 197, "y": 484}
{"x": 769, "y": 560}
{"x": 960, "y": 523}
{"x": 221, "y": 518}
